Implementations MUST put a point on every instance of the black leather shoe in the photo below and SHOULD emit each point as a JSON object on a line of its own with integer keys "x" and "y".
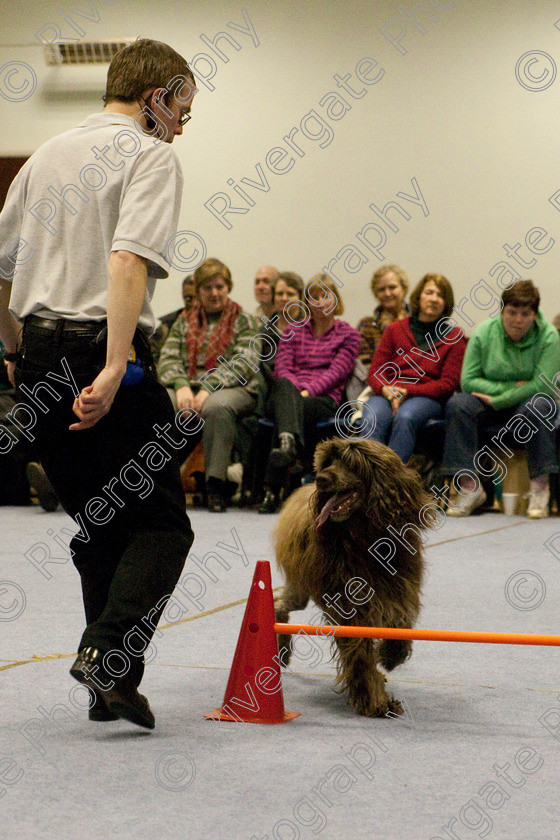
{"x": 216, "y": 503}
{"x": 132, "y": 706}
{"x": 216, "y": 495}
{"x": 99, "y": 711}
{"x": 200, "y": 500}
{"x": 120, "y": 695}
{"x": 270, "y": 503}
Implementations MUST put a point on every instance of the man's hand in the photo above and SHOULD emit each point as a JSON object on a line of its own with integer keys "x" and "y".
{"x": 185, "y": 397}
{"x": 485, "y": 398}
{"x": 126, "y": 290}
{"x": 96, "y": 399}
{"x": 304, "y": 393}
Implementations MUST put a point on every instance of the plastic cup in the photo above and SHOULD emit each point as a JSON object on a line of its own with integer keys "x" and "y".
{"x": 509, "y": 501}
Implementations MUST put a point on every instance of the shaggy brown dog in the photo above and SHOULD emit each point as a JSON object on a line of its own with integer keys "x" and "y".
{"x": 322, "y": 541}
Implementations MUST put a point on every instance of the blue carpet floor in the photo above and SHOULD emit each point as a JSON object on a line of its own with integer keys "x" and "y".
{"x": 475, "y": 755}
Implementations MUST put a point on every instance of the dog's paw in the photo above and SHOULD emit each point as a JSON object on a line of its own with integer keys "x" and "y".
{"x": 395, "y": 708}
{"x": 387, "y": 707}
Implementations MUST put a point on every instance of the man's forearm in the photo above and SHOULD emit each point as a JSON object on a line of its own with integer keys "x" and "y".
{"x": 125, "y": 296}
{"x": 9, "y": 327}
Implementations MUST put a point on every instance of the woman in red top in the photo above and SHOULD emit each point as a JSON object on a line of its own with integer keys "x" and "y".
{"x": 415, "y": 369}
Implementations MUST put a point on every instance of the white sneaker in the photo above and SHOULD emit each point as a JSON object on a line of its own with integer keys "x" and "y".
{"x": 538, "y": 504}
{"x": 465, "y": 504}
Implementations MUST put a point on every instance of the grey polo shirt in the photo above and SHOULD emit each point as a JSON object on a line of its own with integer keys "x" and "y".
{"x": 100, "y": 187}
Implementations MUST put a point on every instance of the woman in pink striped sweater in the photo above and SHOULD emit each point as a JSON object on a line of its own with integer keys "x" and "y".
{"x": 415, "y": 369}
{"x": 313, "y": 362}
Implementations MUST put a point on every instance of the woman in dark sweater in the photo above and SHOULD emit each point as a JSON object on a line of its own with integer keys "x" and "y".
{"x": 415, "y": 369}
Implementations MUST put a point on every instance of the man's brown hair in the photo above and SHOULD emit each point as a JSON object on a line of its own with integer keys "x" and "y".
{"x": 143, "y": 64}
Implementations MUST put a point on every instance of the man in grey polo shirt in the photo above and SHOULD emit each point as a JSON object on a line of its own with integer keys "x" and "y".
{"x": 83, "y": 238}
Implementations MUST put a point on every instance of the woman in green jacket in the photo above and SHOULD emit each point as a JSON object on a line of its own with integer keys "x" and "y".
{"x": 507, "y": 379}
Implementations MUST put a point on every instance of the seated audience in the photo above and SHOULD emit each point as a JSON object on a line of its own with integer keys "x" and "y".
{"x": 265, "y": 278}
{"x": 415, "y": 369}
{"x": 313, "y": 362}
{"x": 208, "y": 363}
{"x": 166, "y": 321}
{"x": 389, "y": 285}
{"x": 509, "y": 360}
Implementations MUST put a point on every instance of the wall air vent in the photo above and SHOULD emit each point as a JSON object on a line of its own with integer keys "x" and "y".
{"x": 84, "y": 52}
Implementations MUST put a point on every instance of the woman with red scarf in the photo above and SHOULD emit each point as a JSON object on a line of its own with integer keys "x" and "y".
{"x": 209, "y": 363}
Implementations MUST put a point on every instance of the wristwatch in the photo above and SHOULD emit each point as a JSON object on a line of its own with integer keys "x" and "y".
{"x": 10, "y": 357}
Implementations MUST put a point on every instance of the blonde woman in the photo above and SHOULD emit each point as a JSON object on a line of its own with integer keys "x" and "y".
{"x": 389, "y": 285}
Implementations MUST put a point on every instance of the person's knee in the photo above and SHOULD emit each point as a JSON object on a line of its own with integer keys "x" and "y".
{"x": 378, "y": 406}
{"x": 540, "y": 408}
{"x": 216, "y": 410}
{"x": 406, "y": 418}
{"x": 462, "y": 404}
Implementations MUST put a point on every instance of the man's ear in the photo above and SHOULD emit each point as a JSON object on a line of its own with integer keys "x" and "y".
{"x": 158, "y": 99}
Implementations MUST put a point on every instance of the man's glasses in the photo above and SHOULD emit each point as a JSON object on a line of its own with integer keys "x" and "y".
{"x": 183, "y": 119}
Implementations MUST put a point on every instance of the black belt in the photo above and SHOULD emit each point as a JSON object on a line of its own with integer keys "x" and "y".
{"x": 84, "y": 327}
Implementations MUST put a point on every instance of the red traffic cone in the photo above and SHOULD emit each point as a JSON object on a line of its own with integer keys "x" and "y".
{"x": 254, "y": 689}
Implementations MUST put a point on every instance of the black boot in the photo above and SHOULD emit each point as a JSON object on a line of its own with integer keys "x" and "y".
{"x": 270, "y": 502}
{"x": 282, "y": 457}
{"x": 288, "y": 445}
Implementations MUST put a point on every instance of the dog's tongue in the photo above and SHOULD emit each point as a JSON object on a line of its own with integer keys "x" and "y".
{"x": 333, "y": 502}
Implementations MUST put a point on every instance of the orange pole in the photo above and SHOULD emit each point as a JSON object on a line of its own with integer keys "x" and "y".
{"x": 423, "y": 635}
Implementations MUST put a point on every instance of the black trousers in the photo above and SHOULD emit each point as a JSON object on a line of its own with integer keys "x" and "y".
{"x": 118, "y": 480}
{"x": 298, "y": 415}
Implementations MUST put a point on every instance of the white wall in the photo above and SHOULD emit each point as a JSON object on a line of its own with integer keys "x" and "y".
{"x": 448, "y": 110}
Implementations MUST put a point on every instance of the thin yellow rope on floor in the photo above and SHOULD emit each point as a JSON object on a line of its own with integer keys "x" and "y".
{"x": 480, "y": 533}
{"x": 222, "y": 607}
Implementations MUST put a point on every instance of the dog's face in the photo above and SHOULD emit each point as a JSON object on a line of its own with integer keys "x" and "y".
{"x": 339, "y": 493}
{"x": 364, "y": 476}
